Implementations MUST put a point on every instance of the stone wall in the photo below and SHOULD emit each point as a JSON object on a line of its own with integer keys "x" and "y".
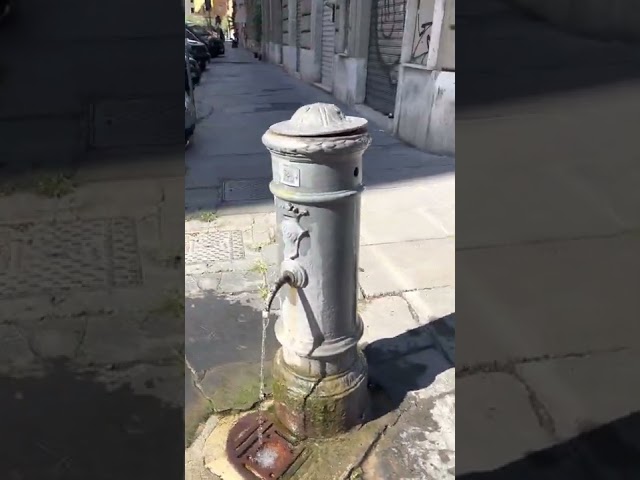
{"x": 425, "y": 105}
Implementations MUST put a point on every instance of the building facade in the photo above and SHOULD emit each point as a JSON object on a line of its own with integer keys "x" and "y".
{"x": 198, "y": 8}
{"x": 395, "y": 56}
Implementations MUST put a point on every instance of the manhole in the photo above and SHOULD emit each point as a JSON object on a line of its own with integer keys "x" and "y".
{"x": 268, "y": 460}
{"x": 218, "y": 246}
{"x": 249, "y": 190}
{"x": 46, "y": 258}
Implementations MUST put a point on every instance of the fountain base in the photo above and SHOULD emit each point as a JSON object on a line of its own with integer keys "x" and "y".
{"x": 320, "y": 407}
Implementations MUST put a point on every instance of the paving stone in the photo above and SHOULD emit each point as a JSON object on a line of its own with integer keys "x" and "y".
{"x": 389, "y": 318}
{"x": 398, "y": 267}
{"x": 15, "y": 354}
{"x": 193, "y": 223}
{"x": 208, "y": 281}
{"x": 432, "y": 304}
{"x": 495, "y": 407}
{"x": 120, "y": 340}
{"x": 262, "y": 236}
{"x": 566, "y": 388}
{"x": 25, "y": 207}
{"x": 196, "y": 406}
{"x": 148, "y": 231}
{"x": 190, "y": 286}
{"x": 116, "y": 198}
{"x": 235, "y": 222}
{"x": 399, "y": 215}
{"x": 270, "y": 254}
{"x": 420, "y": 446}
{"x": 238, "y": 282}
{"x": 508, "y": 323}
{"x": 57, "y": 338}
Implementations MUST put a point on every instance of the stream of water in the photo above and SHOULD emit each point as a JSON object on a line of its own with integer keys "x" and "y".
{"x": 261, "y": 395}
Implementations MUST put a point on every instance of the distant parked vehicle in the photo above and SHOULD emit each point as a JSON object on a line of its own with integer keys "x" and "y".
{"x": 209, "y": 37}
{"x": 189, "y": 103}
{"x": 198, "y": 50}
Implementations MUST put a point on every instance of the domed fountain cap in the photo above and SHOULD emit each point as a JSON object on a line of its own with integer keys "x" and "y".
{"x": 318, "y": 119}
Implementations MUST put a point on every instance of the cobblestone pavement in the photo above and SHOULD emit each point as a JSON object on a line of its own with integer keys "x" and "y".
{"x": 407, "y": 304}
{"x": 91, "y": 321}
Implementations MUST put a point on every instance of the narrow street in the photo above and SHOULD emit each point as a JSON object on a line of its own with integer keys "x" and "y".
{"x": 406, "y": 278}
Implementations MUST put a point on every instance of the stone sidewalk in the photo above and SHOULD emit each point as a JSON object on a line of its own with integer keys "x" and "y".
{"x": 92, "y": 322}
{"x": 407, "y": 282}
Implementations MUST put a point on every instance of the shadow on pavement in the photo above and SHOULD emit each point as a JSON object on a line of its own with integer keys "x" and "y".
{"x": 609, "y": 451}
{"x": 406, "y": 363}
{"x": 72, "y": 426}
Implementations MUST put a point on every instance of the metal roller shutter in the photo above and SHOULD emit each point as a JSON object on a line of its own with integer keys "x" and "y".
{"x": 328, "y": 44}
{"x": 385, "y": 45}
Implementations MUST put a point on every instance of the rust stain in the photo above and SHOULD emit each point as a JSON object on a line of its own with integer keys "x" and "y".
{"x": 268, "y": 460}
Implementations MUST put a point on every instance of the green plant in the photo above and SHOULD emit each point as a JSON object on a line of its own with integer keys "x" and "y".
{"x": 264, "y": 292}
{"x": 55, "y": 186}
{"x": 208, "y": 217}
{"x": 260, "y": 267}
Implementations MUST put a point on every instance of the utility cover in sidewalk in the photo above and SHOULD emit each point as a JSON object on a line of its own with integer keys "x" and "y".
{"x": 213, "y": 246}
{"x": 268, "y": 460}
{"x": 247, "y": 190}
{"x": 44, "y": 258}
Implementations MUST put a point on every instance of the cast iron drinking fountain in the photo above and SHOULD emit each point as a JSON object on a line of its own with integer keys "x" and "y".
{"x": 319, "y": 373}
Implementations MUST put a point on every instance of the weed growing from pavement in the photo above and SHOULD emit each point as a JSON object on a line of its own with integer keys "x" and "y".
{"x": 356, "y": 474}
{"x": 54, "y": 186}
{"x": 48, "y": 185}
{"x": 260, "y": 267}
{"x": 264, "y": 292}
{"x": 208, "y": 217}
{"x": 203, "y": 216}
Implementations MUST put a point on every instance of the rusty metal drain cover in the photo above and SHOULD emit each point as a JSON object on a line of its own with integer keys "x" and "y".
{"x": 267, "y": 461}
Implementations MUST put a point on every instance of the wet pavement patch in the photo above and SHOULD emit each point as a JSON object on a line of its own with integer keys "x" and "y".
{"x": 223, "y": 330}
{"x": 72, "y": 426}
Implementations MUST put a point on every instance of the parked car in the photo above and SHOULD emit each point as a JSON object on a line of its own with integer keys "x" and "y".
{"x": 189, "y": 118}
{"x": 189, "y": 104}
{"x": 196, "y": 73}
{"x": 212, "y": 39}
{"x": 198, "y": 50}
